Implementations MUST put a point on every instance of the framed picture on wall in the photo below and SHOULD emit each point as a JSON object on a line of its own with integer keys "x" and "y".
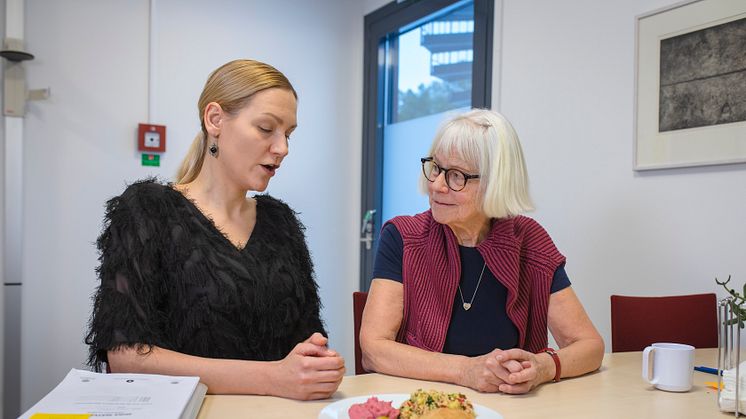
{"x": 690, "y": 97}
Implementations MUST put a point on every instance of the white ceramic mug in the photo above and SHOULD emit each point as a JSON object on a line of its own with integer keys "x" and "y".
{"x": 672, "y": 365}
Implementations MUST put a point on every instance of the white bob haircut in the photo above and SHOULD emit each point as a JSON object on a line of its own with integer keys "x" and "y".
{"x": 487, "y": 141}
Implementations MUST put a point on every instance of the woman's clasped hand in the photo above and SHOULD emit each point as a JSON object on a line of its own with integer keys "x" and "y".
{"x": 310, "y": 371}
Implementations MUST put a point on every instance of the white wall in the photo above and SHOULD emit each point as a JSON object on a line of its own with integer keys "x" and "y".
{"x": 568, "y": 87}
{"x": 80, "y": 145}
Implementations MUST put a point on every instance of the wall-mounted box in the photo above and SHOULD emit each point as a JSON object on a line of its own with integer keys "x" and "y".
{"x": 151, "y": 138}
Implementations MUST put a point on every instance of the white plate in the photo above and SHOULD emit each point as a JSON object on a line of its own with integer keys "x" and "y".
{"x": 338, "y": 409}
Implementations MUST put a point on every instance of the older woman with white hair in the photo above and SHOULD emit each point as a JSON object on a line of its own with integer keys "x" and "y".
{"x": 464, "y": 292}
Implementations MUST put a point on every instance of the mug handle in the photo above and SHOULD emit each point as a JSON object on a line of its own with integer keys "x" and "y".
{"x": 645, "y": 373}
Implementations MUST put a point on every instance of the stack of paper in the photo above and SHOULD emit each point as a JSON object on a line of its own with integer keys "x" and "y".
{"x": 728, "y": 392}
{"x": 132, "y": 396}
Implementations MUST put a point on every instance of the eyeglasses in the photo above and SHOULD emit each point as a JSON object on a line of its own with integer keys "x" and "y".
{"x": 455, "y": 179}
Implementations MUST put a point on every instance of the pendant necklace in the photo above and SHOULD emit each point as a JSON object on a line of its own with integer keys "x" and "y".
{"x": 466, "y": 305}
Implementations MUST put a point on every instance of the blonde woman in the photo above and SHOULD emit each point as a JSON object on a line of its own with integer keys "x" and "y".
{"x": 198, "y": 279}
{"x": 464, "y": 292}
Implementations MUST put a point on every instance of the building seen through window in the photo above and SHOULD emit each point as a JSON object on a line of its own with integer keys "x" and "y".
{"x": 445, "y": 46}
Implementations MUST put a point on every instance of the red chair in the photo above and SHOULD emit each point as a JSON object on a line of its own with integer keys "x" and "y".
{"x": 636, "y": 322}
{"x": 358, "y": 304}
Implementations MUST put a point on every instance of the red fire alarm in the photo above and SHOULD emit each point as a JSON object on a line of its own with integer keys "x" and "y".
{"x": 151, "y": 138}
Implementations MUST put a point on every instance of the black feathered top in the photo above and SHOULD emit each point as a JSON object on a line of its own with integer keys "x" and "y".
{"x": 170, "y": 278}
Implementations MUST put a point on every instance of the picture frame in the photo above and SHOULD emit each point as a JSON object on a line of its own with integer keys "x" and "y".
{"x": 690, "y": 85}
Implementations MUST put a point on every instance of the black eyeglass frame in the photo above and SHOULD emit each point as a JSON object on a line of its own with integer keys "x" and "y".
{"x": 445, "y": 174}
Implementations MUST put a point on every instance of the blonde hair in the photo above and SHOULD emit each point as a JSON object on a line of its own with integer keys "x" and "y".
{"x": 487, "y": 141}
{"x": 231, "y": 86}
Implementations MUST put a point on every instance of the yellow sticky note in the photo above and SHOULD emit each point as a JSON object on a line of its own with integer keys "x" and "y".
{"x": 60, "y": 416}
{"x": 714, "y": 385}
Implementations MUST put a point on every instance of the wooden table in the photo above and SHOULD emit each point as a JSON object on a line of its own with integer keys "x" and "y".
{"x": 617, "y": 390}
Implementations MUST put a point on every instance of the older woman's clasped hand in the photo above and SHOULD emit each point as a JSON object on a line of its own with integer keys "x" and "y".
{"x": 310, "y": 371}
{"x": 486, "y": 374}
{"x": 513, "y": 371}
{"x": 531, "y": 374}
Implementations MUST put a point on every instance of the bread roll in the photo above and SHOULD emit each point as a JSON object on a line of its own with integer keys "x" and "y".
{"x": 446, "y": 413}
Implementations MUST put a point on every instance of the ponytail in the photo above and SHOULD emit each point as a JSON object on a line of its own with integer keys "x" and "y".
{"x": 192, "y": 163}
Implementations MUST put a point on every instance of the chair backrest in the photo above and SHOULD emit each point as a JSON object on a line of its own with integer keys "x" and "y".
{"x": 358, "y": 304}
{"x": 636, "y": 322}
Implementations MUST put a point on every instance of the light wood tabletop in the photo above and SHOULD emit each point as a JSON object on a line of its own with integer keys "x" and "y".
{"x": 617, "y": 390}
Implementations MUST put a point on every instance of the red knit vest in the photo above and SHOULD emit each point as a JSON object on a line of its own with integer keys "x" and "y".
{"x": 518, "y": 252}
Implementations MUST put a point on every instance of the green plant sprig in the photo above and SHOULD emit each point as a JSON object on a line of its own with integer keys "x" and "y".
{"x": 736, "y": 304}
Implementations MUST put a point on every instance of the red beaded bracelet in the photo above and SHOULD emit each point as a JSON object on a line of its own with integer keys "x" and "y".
{"x": 557, "y": 365}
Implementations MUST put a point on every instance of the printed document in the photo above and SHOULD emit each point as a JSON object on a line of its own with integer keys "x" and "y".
{"x": 125, "y": 396}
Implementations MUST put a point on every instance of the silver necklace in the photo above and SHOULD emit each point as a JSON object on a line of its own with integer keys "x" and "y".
{"x": 466, "y": 305}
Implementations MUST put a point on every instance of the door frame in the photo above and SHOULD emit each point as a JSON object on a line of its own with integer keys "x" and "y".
{"x": 377, "y": 25}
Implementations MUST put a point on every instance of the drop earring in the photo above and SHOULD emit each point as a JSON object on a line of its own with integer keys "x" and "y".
{"x": 214, "y": 150}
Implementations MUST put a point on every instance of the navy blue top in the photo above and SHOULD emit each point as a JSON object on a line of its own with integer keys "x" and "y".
{"x": 486, "y": 325}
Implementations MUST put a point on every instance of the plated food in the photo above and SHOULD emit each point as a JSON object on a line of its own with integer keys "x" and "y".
{"x": 431, "y": 404}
